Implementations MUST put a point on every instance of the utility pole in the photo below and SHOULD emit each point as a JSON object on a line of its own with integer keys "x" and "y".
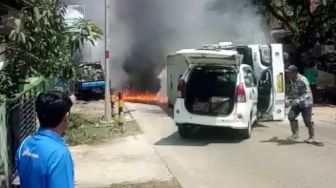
{"x": 108, "y": 116}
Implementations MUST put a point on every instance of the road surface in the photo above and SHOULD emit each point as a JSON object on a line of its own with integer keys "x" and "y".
{"x": 216, "y": 158}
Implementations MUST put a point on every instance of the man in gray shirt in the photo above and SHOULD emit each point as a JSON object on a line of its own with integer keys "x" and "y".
{"x": 302, "y": 102}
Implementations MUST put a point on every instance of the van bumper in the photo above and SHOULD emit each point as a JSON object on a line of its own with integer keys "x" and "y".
{"x": 232, "y": 125}
{"x": 182, "y": 116}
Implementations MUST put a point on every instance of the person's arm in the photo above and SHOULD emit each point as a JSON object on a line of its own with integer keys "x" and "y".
{"x": 290, "y": 94}
{"x": 19, "y": 153}
{"x": 60, "y": 171}
{"x": 306, "y": 93}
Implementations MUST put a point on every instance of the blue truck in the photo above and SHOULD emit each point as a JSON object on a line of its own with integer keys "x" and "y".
{"x": 90, "y": 79}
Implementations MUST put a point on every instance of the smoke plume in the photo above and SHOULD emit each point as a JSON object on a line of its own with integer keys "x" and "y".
{"x": 143, "y": 32}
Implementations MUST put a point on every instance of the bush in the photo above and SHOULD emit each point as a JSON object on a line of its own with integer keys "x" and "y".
{"x": 43, "y": 44}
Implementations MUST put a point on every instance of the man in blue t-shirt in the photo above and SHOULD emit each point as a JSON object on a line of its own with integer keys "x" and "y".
{"x": 43, "y": 159}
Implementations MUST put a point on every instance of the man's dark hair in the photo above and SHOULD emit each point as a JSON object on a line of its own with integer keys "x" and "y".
{"x": 51, "y": 107}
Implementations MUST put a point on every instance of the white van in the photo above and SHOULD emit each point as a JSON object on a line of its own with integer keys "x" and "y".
{"x": 226, "y": 86}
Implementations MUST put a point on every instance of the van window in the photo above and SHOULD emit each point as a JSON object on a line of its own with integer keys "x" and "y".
{"x": 249, "y": 78}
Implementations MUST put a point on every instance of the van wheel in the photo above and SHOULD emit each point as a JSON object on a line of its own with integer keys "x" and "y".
{"x": 246, "y": 133}
{"x": 184, "y": 131}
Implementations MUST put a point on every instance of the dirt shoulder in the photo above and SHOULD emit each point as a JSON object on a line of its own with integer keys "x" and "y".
{"x": 106, "y": 157}
{"x": 123, "y": 162}
{"x": 86, "y": 125}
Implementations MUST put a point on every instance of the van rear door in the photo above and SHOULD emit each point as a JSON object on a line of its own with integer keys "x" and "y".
{"x": 278, "y": 70}
{"x": 176, "y": 66}
{"x": 271, "y": 92}
{"x": 224, "y": 57}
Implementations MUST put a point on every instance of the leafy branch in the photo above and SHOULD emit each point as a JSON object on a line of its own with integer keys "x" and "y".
{"x": 43, "y": 43}
{"x": 309, "y": 24}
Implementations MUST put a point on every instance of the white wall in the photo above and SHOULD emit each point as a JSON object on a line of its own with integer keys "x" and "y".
{"x": 95, "y": 11}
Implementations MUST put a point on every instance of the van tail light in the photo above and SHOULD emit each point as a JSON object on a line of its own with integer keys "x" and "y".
{"x": 241, "y": 93}
{"x": 181, "y": 88}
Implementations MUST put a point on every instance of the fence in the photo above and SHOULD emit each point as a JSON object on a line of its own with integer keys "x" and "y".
{"x": 20, "y": 121}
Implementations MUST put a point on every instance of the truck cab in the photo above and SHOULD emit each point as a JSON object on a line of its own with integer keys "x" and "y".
{"x": 90, "y": 78}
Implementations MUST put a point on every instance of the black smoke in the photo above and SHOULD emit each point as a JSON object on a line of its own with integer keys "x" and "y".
{"x": 145, "y": 31}
{"x": 145, "y": 61}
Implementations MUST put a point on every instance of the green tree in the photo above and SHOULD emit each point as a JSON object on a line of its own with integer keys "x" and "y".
{"x": 43, "y": 44}
{"x": 310, "y": 22}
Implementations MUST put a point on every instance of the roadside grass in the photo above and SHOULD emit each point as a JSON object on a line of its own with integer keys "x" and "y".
{"x": 84, "y": 129}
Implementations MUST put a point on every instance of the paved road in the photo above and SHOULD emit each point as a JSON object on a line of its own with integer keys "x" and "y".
{"x": 215, "y": 158}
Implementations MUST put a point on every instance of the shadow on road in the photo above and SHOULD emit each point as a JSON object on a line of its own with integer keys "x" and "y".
{"x": 281, "y": 142}
{"x": 202, "y": 136}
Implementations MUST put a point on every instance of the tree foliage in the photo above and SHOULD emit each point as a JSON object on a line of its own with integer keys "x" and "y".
{"x": 43, "y": 44}
{"x": 310, "y": 22}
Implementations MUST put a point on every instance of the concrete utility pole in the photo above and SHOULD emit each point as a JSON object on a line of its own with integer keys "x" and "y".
{"x": 108, "y": 116}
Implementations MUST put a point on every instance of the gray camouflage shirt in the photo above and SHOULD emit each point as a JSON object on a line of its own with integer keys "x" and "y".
{"x": 300, "y": 92}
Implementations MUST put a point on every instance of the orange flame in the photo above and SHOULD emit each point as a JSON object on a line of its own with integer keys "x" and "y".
{"x": 144, "y": 97}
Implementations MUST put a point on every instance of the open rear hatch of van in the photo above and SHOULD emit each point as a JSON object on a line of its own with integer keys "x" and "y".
{"x": 211, "y": 85}
{"x": 203, "y": 57}
{"x": 210, "y": 90}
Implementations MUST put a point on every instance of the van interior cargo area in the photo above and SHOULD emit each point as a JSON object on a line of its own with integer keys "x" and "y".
{"x": 211, "y": 90}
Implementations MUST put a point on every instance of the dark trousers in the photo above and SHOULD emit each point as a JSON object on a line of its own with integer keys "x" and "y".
{"x": 306, "y": 113}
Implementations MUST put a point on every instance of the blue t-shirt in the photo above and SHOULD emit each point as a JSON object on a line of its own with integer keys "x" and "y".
{"x": 44, "y": 161}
